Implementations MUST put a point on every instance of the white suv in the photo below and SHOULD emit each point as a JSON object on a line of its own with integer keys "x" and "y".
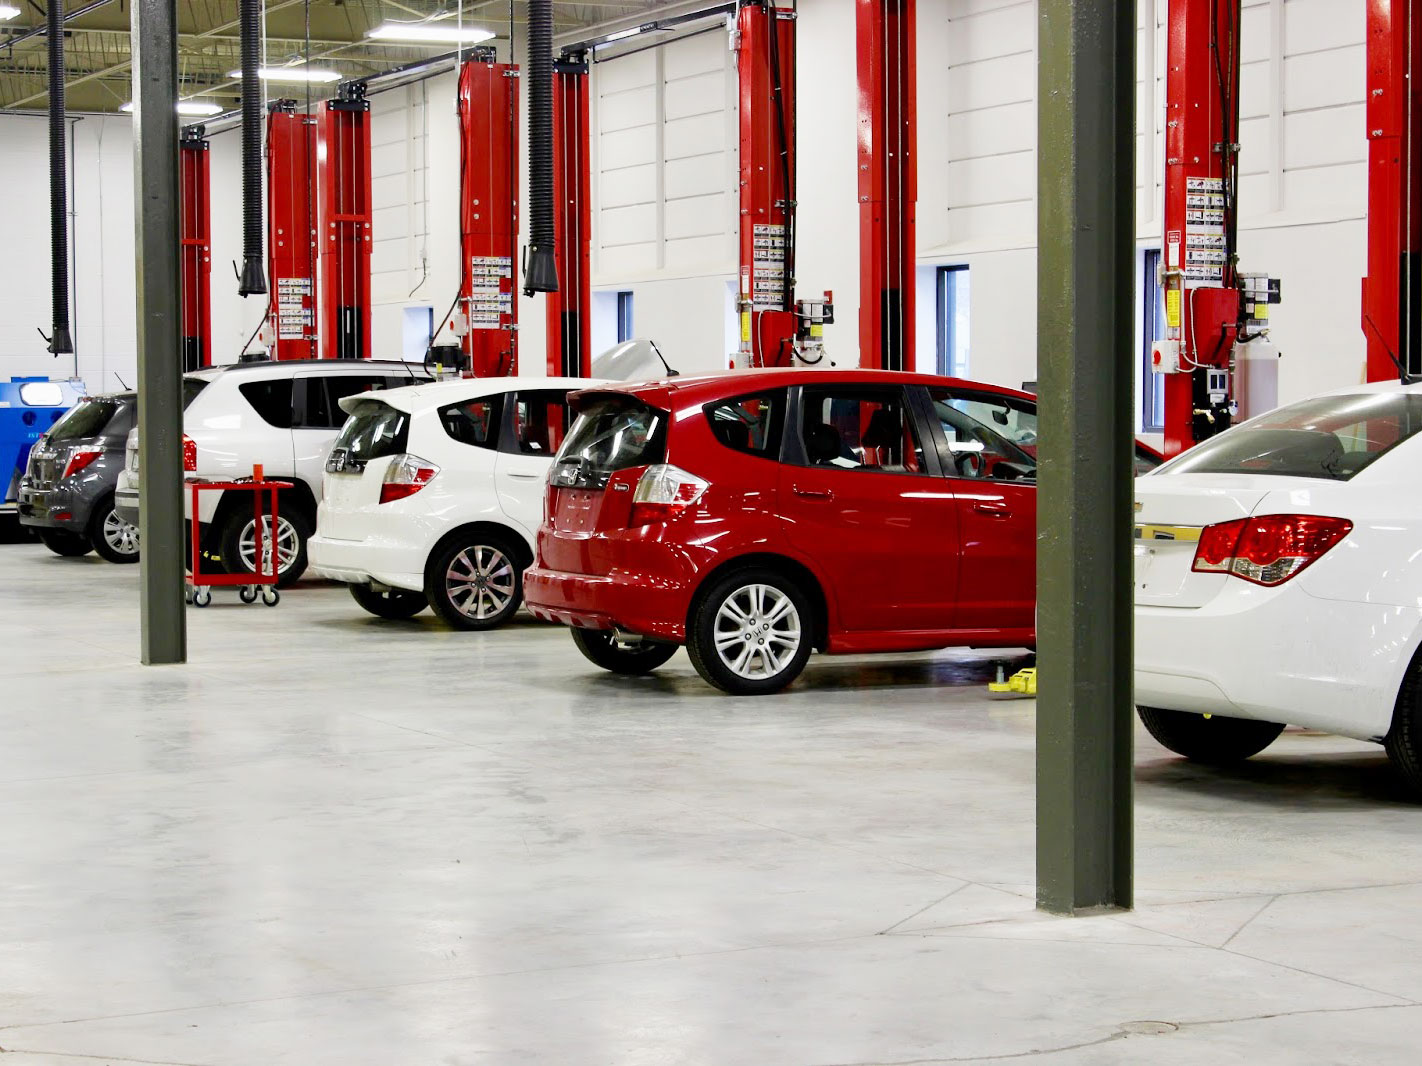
{"x": 434, "y": 493}
{"x": 283, "y": 415}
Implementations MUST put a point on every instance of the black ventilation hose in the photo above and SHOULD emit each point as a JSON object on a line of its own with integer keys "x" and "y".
{"x": 254, "y": 277}
{"x": 60, "y": 340}
{"x": 541, "y": 269}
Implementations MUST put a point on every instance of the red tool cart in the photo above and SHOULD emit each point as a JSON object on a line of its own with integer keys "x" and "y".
{"x": 263, "y": 582}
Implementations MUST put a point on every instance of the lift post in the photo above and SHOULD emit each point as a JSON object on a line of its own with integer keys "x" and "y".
{"x": 291, "y": 231}
{"x": 888, "y": 180}
{"x": 766, "y": 67}
{"x": 569, "y": 309}
{"x": 488, "y": 212}
{"x": 1392, "y": 291}
{"x": 343, "y": 162}
{"x": 1202, "y": 301}
{"x": 195, "y": 237}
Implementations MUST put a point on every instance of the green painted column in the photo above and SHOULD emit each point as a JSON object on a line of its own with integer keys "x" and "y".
{"x": 1085, "y": 362}
{"x": 160, "y": 368}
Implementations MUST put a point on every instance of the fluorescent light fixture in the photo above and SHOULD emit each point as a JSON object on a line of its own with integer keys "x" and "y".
{"x": 429, "y": 32}
{"x": 188, "y": 107}
{"x": 291, "y": 74}
{"x": 7, "y": 12}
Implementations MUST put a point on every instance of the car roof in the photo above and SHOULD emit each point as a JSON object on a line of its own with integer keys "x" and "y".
{"x": 413, "y": 399}
{"x": 336, "y": 366}
{"x": 691, "y": 389}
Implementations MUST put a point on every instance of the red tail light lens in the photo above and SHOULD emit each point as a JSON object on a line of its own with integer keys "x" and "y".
{"x": 405, "y": 476}
{"x": 79, "y": 458}
{"x": 1270, "y": 549}
{"x": 189, "y": 455}
{"x": 663, "y": 492}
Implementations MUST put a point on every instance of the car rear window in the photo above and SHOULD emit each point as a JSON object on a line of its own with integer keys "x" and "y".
{"x": 1330, "y": 437}
{"x": 612, "y": 433}
{"x": 87, "y": 418}
{"x": 750, "y": 424}
{"x": 271, "y": 399}
{"x": 373, "y": 430}
{"x": 191, "y": 388}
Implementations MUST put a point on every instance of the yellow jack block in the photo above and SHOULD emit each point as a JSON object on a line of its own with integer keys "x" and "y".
{"x": 1022, "y": 683}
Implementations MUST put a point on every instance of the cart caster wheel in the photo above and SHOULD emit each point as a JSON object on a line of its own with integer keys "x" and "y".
{"x": 248, "y": 594}
{"x": 202, "y": 597}
{"x": 270, "y": 596}
{"x": 188, "y": 596}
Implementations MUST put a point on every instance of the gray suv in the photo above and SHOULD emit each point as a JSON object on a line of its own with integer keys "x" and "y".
{"x": 67, "y": 491}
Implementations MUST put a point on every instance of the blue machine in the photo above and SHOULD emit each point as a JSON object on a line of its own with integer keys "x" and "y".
{"x": 28, "y": 407}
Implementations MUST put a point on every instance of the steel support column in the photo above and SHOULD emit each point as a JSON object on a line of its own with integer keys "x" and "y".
{"x": 291, "y": 231}
{"x": 196, "y": 219}
{"x": 570, "y": 308}
{"x": 488, "y": 212}
{"x": 343, "y": 175}
{"x": 1085, "y": 319}
{"x": 766, "y": 66}
{"x": 1392, "y": 291}
{"x": 163, "y": 626}
{"x": 888, "y": 180}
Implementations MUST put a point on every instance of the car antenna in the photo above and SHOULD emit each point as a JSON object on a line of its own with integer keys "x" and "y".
{"x": 670, "y": 372}
{"x": 121, "y": 381}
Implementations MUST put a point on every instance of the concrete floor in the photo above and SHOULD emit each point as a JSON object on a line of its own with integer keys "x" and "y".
{"x": 331, "y": 839}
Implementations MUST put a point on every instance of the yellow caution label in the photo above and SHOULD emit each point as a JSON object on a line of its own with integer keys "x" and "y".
{"x": 817, "y": 330}
{"x": 745, "y": 327}
{"x": 1172, "y": 308}
{"x": 1261, "y": 312}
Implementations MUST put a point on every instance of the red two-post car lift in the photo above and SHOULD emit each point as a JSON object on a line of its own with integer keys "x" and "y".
{"x": 195, "y": 247}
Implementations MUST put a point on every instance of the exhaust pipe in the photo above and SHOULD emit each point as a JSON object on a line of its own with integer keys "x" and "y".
{"x": 60, "y": 340}
{"x": 540, "y": 268}
{"x": 254, "y": 277}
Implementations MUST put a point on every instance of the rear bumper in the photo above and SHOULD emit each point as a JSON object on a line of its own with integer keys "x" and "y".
{"x": 126, "y": 497}
{"x": 1278, "y": 655}
{"x": 59, "y": 507}
{"x": 126, "y": 504}
{"x": 646, "y": 588}
{"x": 359, "y": 562}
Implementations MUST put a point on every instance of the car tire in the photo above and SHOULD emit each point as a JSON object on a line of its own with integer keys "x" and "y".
{"x": 632, "y": 658}
{"x": 751, "y": 632}
{"x": 1214, "y": 738}
{"x": 63, "y": 542}
{"x": 475, "y": 580}
{"x": 112, "y": 537}
{"x": 1403, "y": 742}
{"x": 237, "y": 543}
{"x": 395, "y": 604}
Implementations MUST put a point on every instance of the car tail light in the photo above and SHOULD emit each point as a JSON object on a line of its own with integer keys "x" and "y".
{"x": 189, "y": 455}
{"x": 405, "y": 476}
{"x": 79, "y": 458}
{"x": 1269, "y": 549}
{"x": 663, "y": 492}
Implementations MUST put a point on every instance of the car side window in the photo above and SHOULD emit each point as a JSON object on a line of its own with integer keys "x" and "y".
{"x": 751, "y": 424}
{"x": 988, "y": 435}
{"x": 321, "y": 409}
{"x": 859, "y": 429}
{"x": 540, "y": 421}
{"x": 474, "y": 422}
{"x": 271, "y": 399}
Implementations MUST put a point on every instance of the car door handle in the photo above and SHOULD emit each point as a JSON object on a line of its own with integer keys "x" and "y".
{"x": 812, "y": 494}
{"x": 993, "y": 509}
{"x": 524, "y": 477}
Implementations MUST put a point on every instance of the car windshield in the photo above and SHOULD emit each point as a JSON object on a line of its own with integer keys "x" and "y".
{"x": 612, "y": 433}
{"x": 1332, "y": 437}
{"x": 373, "y": 430}
{"x": 87, "y": 418}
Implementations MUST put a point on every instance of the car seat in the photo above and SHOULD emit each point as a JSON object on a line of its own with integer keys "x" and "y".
{"x": 822, "y": 443}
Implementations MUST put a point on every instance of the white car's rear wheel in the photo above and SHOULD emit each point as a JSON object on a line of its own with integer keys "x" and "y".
{"x": 1404, "y": 740}
{"x": 1212, "y": 738}
{"x": 475, "y": 581}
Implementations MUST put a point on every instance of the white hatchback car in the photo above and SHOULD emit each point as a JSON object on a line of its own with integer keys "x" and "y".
{"x": 1278, "y": 580}
{"x": 433, "y": 494}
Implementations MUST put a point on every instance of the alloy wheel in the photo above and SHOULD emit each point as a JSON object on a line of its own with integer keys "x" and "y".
{"x": 287, "y": 544}
{"x": 757, "y": 631}
{"x": 120, "y": 536}
{"x": 480, "y": 581}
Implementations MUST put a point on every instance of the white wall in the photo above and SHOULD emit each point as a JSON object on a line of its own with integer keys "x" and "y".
{"x": 665, "y": 193}
{"x": 101, "y": 245}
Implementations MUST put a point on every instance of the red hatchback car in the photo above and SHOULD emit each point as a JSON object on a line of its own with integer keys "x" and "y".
{"x": 759, "y": 515}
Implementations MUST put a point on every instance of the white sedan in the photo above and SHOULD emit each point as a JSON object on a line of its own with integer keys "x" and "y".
{"x": 433, "y": 494}
{"x": 1278, "y": 580}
